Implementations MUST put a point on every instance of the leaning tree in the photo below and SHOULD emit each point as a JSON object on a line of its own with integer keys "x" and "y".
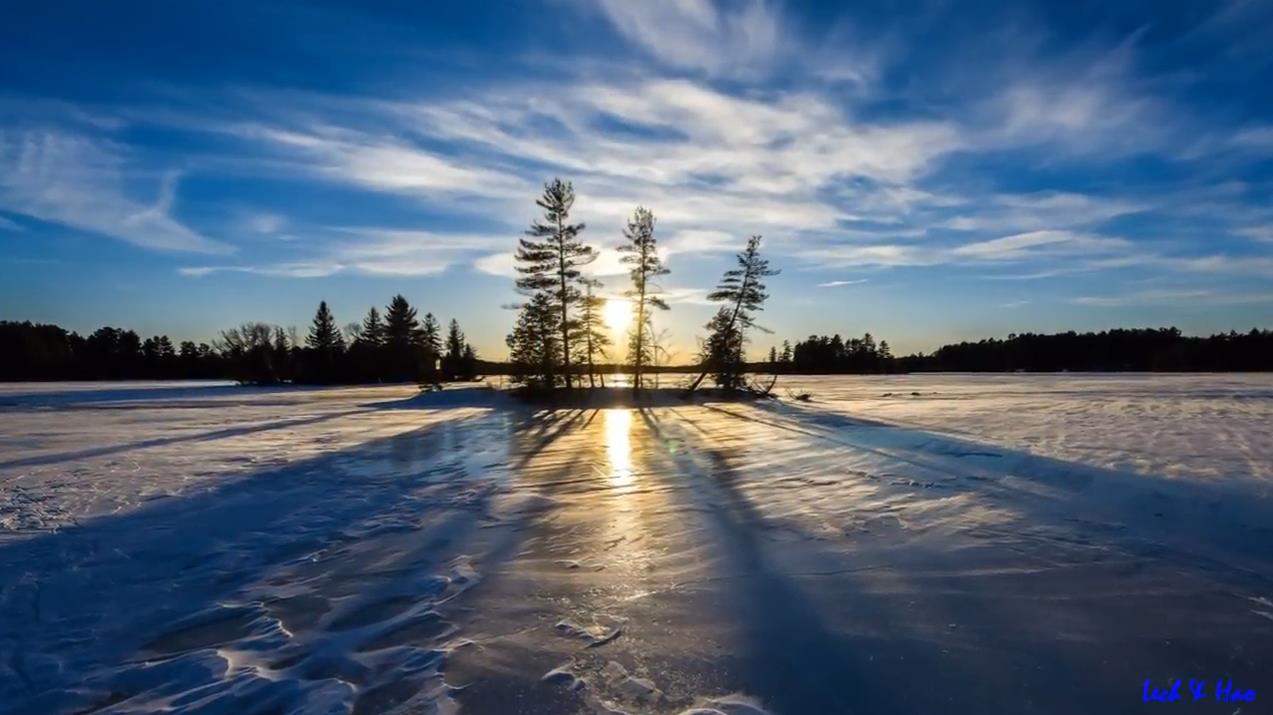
{"x": 741, "y": 292}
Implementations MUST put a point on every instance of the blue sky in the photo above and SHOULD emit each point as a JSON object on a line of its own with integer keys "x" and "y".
{"x": 924, "y": 171}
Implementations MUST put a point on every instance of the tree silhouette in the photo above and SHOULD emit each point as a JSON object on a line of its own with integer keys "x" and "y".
{"x": 742, "y": 289}
{"x": 591, "y": 335}
{"x": 534, "y": 345}
{"x": 373, "y": 329}
{"x": 249, "y": 353}
{"x": 401, "y": 340}
{"x": 281, "y": 357}
{"x": 549, "y": 258}
{"x": 459, "y": 362}
{"x": 431, "y": 342}
{"x": 326, "y": 346}
{"x": 641, "y": 253}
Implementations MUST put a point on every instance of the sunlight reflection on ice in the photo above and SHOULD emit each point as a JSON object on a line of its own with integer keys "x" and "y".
{"x": 618, "y": 446}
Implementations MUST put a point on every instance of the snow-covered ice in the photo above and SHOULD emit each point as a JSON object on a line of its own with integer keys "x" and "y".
{"x": 938, "y": 543}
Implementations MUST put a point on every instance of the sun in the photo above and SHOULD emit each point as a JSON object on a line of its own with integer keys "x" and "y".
{"x": 618, "y": 315}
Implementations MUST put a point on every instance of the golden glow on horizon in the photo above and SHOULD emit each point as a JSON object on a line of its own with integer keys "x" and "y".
{"x": 619, "y": 446}
{"x": 618, "y": 315}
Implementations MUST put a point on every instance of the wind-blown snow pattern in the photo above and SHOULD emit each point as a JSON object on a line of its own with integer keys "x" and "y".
{"x": 1038, "y": 544}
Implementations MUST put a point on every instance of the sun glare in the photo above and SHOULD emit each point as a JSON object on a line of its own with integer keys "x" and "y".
{"x": 618, "y": 315}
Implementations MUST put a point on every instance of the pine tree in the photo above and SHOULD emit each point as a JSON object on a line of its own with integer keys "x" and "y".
{"x": 431, "y": 342}
{"x": 549, "y": 259}
{"x": 324, "y": 336}
{"x": 742, "y": 290}
{"x": 401, "y": 340}
{"x": 591, "y": 336}
{"x": 373, "y": 329}
{"x": 453, "y": 363}
{"x": 722, "y": 352}
{"x": 468, "y": 362}
{"x": 325, "y": 345}
{"x": 641, "y": 253}
{"x": 282, "y": 354}
{"x": 534, "y": 345}
{"x": 786, "y": 353}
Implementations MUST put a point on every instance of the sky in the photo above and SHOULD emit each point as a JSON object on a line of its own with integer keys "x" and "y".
{"x": 928, "y": 171}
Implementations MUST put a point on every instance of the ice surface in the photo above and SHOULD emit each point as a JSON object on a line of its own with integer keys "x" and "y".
{"x": 992, "y": 544}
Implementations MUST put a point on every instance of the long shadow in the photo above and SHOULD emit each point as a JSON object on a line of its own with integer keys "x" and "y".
{"x": 788, "y": 655}
{"x": 116, "y": 580}
{"x": 107, "y": 393}
{"x": 164, "y": 441}
{"x": 1232, "y": 518}
{"x": 798, "y": 661}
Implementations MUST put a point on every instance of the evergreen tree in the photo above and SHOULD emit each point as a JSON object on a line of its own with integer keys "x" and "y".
{"x": 324, "y": 336}
{"x": 326, "y": 345}
{"x": 773, "y": 356}
{"x": 401, "y": 340}
{"x": 722, "y": 352}
{"x": 431, "y": 342}
{"x": 591, "y": 336}
{"x": 367, "y": 348}
{"x": 641, "y": 253}
{"x": 455, "y": 362}
{"x": 742, "y": 290}
{"x": 785, "y": 357}
{"x": 468, "y": 362}
{"x": 534, "y": 345}
{"x": 549, "y": 259}
{"x": 282, "y": 355}
{"x": 373, "y": 329}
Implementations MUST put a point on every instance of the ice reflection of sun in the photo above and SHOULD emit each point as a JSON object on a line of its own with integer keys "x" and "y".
{"x": 618, "y": 446}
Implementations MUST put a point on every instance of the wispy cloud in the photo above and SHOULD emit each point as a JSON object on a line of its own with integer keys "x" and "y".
{"x": 1031, "y": 244}
{"x": 1158, "y": 297}
{"x": 373, "y": 251}
{"x": 8, "y": 224}
{"x": 1259, "y": 233}
{"x": 699, "y": 34}
{"x": 836, "y": 284}
{"x": 80, "y": 182}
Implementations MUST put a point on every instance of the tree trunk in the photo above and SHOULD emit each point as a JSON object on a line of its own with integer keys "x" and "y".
{"x": 565, "y": 304}
{"x": 640, "y": 347}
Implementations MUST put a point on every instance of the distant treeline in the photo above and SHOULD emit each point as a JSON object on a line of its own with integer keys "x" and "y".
{"x": 1137, "y": 349}
{"x": 398, "y": 348}
{"x": 1144, "y": 349}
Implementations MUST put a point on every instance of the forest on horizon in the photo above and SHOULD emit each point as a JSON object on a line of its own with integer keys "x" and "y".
{"x": 33, "y": 351}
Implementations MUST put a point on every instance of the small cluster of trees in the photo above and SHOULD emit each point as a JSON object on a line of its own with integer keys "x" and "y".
{"x": 833, "y": 354}
{"x": 399, "y": 347}
{"x": 559, "y": 337}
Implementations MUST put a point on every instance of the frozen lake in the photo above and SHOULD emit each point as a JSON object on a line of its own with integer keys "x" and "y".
{"x": 929, "y": 543}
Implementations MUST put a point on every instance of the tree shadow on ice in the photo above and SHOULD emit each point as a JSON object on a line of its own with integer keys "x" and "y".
{"x": 789, "y": 656}
{"x": 1206, "y": 519}
{"x": 344, "y": 525}
{"x": 99, "y": 396}
{"x": 806, "y": 642}
{"x": 209, "y": 436}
